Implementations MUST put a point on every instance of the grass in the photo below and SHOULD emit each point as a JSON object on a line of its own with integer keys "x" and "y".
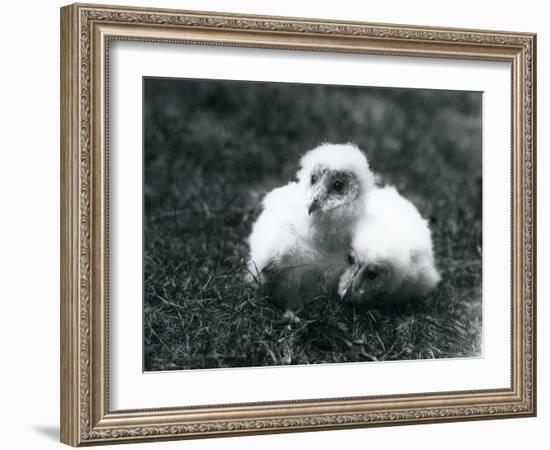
{"x": 212, "y": 149}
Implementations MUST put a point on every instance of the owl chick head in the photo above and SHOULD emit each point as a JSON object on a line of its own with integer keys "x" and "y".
{"x": 334, "y": 176}
{"x": 361, "y": 283}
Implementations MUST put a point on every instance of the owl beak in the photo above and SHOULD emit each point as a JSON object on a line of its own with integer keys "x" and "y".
{"x": 314, "y": 205}
{"x": 349, "y": 294}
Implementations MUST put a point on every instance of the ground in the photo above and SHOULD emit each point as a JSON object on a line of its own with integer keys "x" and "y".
{"x": 212, "y": 149}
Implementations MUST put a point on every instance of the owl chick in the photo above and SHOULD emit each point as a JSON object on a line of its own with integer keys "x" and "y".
{"x": 391, "y": 252}
{"x": 300, "y": 242}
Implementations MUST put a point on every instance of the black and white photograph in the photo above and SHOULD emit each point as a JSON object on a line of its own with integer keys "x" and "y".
{"x": 281, "y": 221}
{"x": 296, "y": 224}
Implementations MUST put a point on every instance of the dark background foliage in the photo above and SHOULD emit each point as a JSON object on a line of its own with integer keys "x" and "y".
{"x": 212, "y": 149}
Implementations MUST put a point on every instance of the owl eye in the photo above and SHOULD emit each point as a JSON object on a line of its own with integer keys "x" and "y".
{"x": 313, "y": 179}
{"x": 371, "y": 274}
{"x": 351, "y": 259}
{"x": 338, "y": 186}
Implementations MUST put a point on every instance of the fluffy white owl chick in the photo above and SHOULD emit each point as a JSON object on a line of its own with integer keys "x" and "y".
{"x": 300, "y": 242}
{"x": 391, "y": 252}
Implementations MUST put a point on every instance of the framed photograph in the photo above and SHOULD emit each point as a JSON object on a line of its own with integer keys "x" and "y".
{"x": 276, "y": 224}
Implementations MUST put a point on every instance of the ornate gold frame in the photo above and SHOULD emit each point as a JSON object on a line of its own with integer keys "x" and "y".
{"x": 86, "y": 31}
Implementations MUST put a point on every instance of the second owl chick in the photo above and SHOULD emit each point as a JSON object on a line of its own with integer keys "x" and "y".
{"x": 391, "y": 252}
